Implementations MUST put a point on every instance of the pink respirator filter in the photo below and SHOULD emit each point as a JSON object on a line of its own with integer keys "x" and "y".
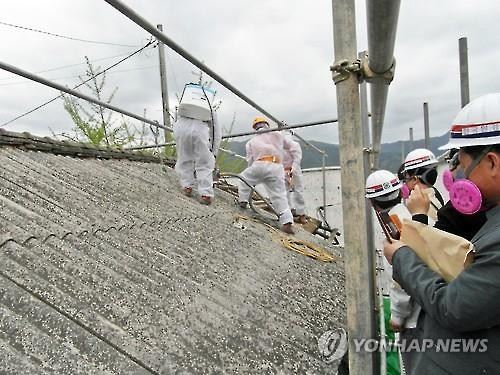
{"x": 405, "y": 191}
{"x": 465, "y": 196}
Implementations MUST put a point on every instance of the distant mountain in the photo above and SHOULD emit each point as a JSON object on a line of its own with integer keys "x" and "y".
{"x": 390, "y": 157}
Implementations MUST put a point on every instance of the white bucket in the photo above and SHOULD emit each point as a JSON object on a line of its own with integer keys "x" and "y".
{"x": 195, "y": 102}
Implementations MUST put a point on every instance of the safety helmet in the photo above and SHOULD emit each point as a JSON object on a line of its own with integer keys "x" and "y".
{"x": 258, "y": 120}
{"x": 421, "y": 157}
{"x": 380, "y": 184}
{"x": 477, "y": 124}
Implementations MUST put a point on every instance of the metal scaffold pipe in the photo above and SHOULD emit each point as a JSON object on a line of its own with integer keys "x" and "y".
{"x": 146, "y": 25}
{"x": 232, "y": 153}
{"x": 282, "y": 128}
{"x": 410, "y": 138}
{"x": 382, "y": 20}
{"x": 464, "y": 71}
{"x": 62, "y": 88}
{"x": 359, "y": 258}
{"x": 378, "y": 97}
{"x": 286, "y": 127}
{"x": 163, "y": 84}
{"x": 145, "y": 147}
{"x": 427, "y": 142}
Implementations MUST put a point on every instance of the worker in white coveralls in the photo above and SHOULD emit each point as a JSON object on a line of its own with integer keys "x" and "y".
{"x": 197, "y": 135}
{"x": 264, "y": 153}
{"x": 294, "y": 183}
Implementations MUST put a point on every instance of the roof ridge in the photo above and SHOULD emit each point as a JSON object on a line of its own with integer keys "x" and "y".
{"x": 28, "y": 141}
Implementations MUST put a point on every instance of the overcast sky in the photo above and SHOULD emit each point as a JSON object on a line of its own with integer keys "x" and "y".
{"x": 276, "y": 52}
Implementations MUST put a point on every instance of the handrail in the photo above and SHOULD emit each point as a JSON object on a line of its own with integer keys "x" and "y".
{"x": 46, "y": 82}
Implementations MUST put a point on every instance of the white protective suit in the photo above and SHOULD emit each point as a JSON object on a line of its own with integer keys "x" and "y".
{"x": 197, "y": 144}
{"x": 268, "y": 173}
{"x": 295, "y": 188}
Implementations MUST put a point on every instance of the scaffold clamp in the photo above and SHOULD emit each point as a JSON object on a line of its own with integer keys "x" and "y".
{"x": 341, "y": 70}
{"x": 370, "y": 76}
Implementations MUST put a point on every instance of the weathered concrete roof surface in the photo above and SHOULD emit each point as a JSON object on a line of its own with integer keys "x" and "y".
{"x": 106, "y": 269}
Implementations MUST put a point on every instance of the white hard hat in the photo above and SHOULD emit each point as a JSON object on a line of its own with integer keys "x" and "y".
{"x": 477, "y": 124}
{"x": 418, "y": 158}
{"x": 380, "y": 183}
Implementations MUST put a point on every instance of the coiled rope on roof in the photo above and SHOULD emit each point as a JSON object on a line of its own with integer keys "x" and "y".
{"x": 302, "y": 247}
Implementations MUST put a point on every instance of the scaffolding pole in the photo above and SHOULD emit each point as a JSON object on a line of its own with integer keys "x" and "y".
{"x": 163, "y": 84}
{"x": 410, "y": 138}
{"x": 382, "y": 20}
{"x": 286, "y": 127}
{"x": 427, "y": 142}
{"x": 464, "y": 71}
{"x": 359, "y": 259}
{"x": 253, "y": 133}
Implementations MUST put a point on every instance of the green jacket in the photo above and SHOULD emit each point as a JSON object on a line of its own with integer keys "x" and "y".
{"x": 466, "y": 308}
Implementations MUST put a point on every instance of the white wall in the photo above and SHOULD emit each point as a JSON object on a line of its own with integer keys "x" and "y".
{"x": 313, "y": 194}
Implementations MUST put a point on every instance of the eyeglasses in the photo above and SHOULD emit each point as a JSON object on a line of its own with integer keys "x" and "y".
{"x": 453, "y": 162}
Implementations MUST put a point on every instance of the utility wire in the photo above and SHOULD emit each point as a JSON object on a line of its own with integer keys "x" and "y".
{"x": 79, "y": 85}
{"x": 68, "y": 77}
{"x": 71, "y": 65}
{"x": 65, "y": 37}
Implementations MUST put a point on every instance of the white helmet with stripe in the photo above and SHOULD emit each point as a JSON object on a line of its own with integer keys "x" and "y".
{"x": 477, "y": 124}
{"x": 380, "y": 184}
{"x": 421, "y": 157}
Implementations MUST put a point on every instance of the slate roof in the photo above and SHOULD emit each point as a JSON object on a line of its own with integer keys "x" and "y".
{"x": 105, "y": 268}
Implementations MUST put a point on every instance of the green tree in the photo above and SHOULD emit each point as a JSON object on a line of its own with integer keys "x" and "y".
{"x": 225, "y": 161}
{"x": 93, "y": 122}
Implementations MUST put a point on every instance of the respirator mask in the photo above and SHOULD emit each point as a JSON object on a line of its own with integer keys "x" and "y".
{"x": 428, "y": 177}
{"x": 465, "y": 196}
{"x": 261, "y": 126}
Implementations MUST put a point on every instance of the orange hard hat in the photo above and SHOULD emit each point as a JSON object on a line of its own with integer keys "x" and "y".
{"x": 258, "y": 120}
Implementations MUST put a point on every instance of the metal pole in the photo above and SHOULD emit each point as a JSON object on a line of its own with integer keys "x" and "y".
{"x": 260, "y": 132}
{"x": 411, "y": 138}
{"x": 307, "y": 143}
{"x": 56, "y": 86}
{"x": 132, "y": 15}
{"x": 403, "y": 151}
{"x": 370, "y": 234}
{"x": 383, "y": 332}
{"x": 232, "y": 153}
{"x": 359, "y": 280}
{"x": 163, "y": 83}
{"x": 305, "y": 125}
{"x": 324, "y": 184}
{"x": 427, "y": 143}
{"x": 464, "y": 71}
{"x": 145, "y": 147}
{"x": 382, "y": 20}
{"x": 365, "y": 123}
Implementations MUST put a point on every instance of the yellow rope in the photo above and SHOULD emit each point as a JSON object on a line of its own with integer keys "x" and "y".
{"x": 299, "y": 246}
{"x": 306, "y": 248}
